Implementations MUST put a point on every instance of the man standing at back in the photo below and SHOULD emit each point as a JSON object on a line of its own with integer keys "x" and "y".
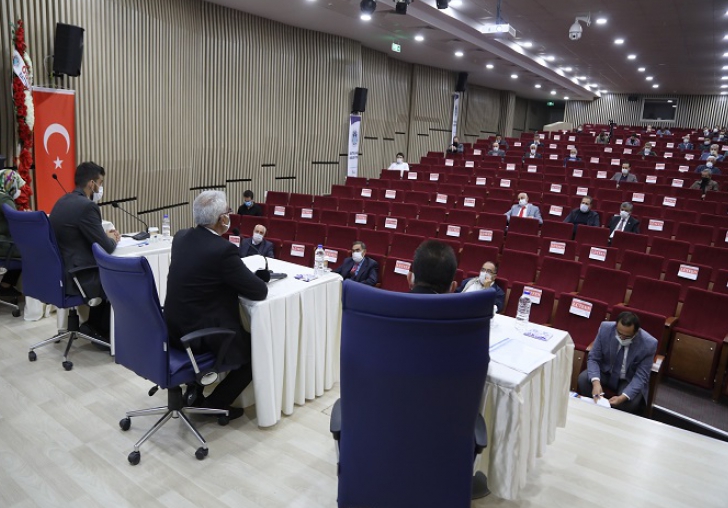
{"x": 206, "y": 276}
{"x": 76, "y": 222}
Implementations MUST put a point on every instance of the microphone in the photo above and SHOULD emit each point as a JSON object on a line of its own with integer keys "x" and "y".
{"x": 143, "y": 235}
{"x": 263, "y": 273}
{"x": 55, "y": 177}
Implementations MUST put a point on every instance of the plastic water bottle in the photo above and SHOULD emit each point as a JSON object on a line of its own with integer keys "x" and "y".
{"x": 166, "y": 227}
{"x": 524, "y": 307}
{"x": 319, "y": 264}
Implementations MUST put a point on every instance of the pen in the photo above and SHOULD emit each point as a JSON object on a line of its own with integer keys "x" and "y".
{"x": 598, "y": 395}
{"x": 143, "y": 243}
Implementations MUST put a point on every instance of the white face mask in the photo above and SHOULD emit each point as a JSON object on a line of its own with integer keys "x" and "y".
{"x": 647, "y": 150}
{"x": 625, "y": 171}
{"x": 573, "y": 156}
{"x": 533, "y": 150}
{"x": 16, "y": 194}
{"x": 357, "y": 257}
{"x": 584, "y": 208}
{"x": 686, "y": 141}
{"x": 257, "y": 238}
{"x": 400, "y": 160}
{"x": 98, "y": 195}
{"x": 706, "y": 132}
{"x": 624, "y": 342}
{"x": 624, "y": 214}
{"x": 484, "y": 277}
{"x": 522, "y": 202}
{"x": 709, "y": 164}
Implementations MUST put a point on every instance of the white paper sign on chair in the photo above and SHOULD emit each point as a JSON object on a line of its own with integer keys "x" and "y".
{"x": 234, "y": 240}
{"x": 598, "y": 254}
{"x": 650, "y": 179}
{"x": 505, "y": 183}
{"x": 581, "y": 308}
{"x": 534, "y": 294}
{"x": 360, "y": 218}
{"x": 486, "y": 235}
{"x": 480, "y": 181}
{"x": 469, "y": 202}
{"x": 638, "y": 197}
{"x": 434, "y": 177}
{"x": 453, "y": 231}
{"x": 390, "y": 194}
{"x": 366, "y": 193}
{"x": 557, "y": 248}
{"x": 279, "y": 211}
{"x": 402, "y": 267}
{"x": 532, "y": 169}
{"x": 469, "y": 164}
{"x": 656, "y": 225}
{"x": 411, "y": 175}
{"x": 601, "y": 175}
{"x": 449, "y": 162}
{"x": 441, "y": 198}
{"x": 582, "y": 191}
{"x": 510, "y": 167}
{"x": 688, "y": 272}
{"x": 668, "y": 201}
{"x": 594, "y": 160}
{"x": 477, "y": 151}
{"x": 555, "y": 187}
{"x": 578, "y": 173}
{"x": 556, "y": 210}
{"x": 297, "y": 250}
{"x": 331, "y": 255}
{"x": 390, "y": 223}
{"x": 307, "y": 213}
{"x": 676, "y": 182}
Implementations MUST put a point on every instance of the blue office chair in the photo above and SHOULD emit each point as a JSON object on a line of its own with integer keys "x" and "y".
{"x": 44, "y": 275}
{"x": 142, "y": 345}
{"x": 10, "y": 262}
{"x": 413, "y": 371}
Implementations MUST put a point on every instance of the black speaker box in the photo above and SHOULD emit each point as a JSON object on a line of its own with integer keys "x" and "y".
{"x": 68, "y": 48}
{"x": 360, "y": 100}
{"x": 633, "y": 98}
{"x": 462, "y": 82}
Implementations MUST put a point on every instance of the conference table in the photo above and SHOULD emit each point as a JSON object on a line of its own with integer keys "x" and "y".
{"x": 523, "y": 405}
{"x": 296, "y": 337}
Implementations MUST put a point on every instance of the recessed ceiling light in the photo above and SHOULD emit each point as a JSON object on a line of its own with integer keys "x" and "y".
{"x": 459, "y": 54}
{"x": 724, "y": 93}
{"x": 592, "y": 84}
{"x": 581, "y": 78}
{"x": 526, "y": 44}
{"x": 568, "y": 69}
{"x": 725, "y": 55}
{"x": 618, "y": 41}
{"x": 725, "y": 37}
{"x": 641, "y": 69}
{"x": 553, "y": 92}
{"x": 537, "y": 85}
{"x": 550, "y": 58}
{"x": 419, "y": 38}
{"x": 724, "y": 68}
{"x": 669, "y": 101}
{"x": 603, "y": 91}
{"x": 514, "y": 76}
{"x": 655, "y": 86}
{"x": 566, "y": 98}
{"x": 724, "y": 78}
{"x": 456, "y": 3}
{"x": 366, "y": 17}
{"x": 631, "y": 57}
{"x": 724, "y": 86}
{"x": 601, "y": 21}
{"x": 649, "y": 78}
{"x": 489, "y": 66}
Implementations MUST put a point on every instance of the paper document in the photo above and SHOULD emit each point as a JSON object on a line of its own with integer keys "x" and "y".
{"x": 518, "y": 356}
{"x": 601, "y": 401}
{"x": 128, "y": 242}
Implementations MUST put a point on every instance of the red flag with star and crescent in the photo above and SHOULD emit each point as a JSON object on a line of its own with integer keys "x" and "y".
{"x": 55, "y": 144}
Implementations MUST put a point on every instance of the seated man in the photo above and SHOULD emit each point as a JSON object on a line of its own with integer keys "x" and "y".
{"x": 76, "y": 222}
{"x": 572, "y": 157}
{"x": 206, "y": 276}
{"x": 647, "y": 151}
{"x": 433, "y": 269}
{"x": 502, "y": 142}
{"x": 707, "y": 146}
{"x": 663, "y": 132}
{"x": 257, "y": 244}
{"x": 524, "y": 209}
{"x": 713, "y": 152}
{"x": 619, "y": 364}
{"x": 583, "y": 215}
{"x": 358, "y": 267}
{"x": 10, "y": 185}
{"x": 456, "y": 146}
{"x": 709, "y": 165}
{"x": 603, "y": 138}
{"x": 706, "y": 182}
{"x": 486, "y": 280}
{"x": 399, "y": 165}
{"x": 537, "y": 140}
{"x": 685, "y": 145}
{"x": 496, "y": 150}
{"x": 624, "y": 175}
{"x": 531, "y": 154}
{"x": 633, "y": 140}
{"x": 250, "y": 207}
{"x": 624, "y": 221}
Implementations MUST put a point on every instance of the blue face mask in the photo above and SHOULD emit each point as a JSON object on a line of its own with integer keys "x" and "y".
{"x": 248, "y": 204}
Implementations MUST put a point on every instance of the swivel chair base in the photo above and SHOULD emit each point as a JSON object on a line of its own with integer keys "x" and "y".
{"x": 13, "y": 305}
{"x": 72, "y": 334}
{"x": 480, "y": 486}
{"x": 173, "y": 409}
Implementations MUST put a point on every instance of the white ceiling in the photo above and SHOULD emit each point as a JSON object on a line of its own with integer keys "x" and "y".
{"x": 679, "y": 42}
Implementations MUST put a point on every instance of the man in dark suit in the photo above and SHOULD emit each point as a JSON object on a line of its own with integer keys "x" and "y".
{"x": 532, "y": 153}
{"x": 76, "y": 222}
{"x": 583, "y": 215}
{"x": 624, "y": 221}
{"x": 620, "y": 364}
{"x": 250, "y": 207}
{"x": 433, "y": 269}
{"x": 358, "y": 267}
{"x": 206, "y": 276}
{"x": 257, "y": 244}
{"x": 485, "y": 280}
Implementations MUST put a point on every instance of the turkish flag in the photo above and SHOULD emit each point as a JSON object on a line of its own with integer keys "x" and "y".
{"x": 54, "y": 140}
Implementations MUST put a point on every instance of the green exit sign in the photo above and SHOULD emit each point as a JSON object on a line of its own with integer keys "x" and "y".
{"x": 550, "y": 103}
{"x": 396, "y": 47}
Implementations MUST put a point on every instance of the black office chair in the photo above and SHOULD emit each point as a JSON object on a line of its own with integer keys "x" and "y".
{"x": 7, "y": 263}
{"x": 142, "y": 345}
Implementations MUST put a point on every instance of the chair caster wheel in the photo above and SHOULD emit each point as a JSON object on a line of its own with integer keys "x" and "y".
{"x": 134, "y": 458}
{"x": 67, "y": 365}
{"x": 223, "y": 420}
{"x": 201, "y": 453}
{"x": 16, "y": 313}
{"x": 32, "y": 356}
{"x": 125, "y": 424}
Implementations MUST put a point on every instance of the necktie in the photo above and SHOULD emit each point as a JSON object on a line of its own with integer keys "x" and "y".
{"x": 522, "y": 213}
{"x": 354, "y": 269}
{"x": 619, "y": 227}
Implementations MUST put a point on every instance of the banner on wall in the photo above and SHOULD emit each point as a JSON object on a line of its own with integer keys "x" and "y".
{"x": 455, "y": 113}
{"x": 55, "y": 144}
{"x": 352, "y": 168}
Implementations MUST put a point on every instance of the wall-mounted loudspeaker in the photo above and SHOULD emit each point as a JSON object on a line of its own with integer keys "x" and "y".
{"x": 68, "y": 49}
{"x": 462, "y": 82}
{"x": 633, "y": 98}
{"x": 360, "y": 100}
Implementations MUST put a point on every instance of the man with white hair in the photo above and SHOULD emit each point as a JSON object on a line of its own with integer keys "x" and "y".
{"x": 532, "y": 153}
{"x": 206, "y": 276}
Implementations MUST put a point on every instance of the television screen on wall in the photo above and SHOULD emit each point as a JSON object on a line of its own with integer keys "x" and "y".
{"x": 659, "y": 110}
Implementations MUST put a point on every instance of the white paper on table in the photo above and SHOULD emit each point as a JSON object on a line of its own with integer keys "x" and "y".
{"x": 601, "y": 401}
{"x": 518, "y": 356}
{"x": 129, "y": 242}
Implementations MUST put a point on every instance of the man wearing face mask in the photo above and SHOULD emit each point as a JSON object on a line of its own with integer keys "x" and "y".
{"x": 532, "y": 153}
{"x": 206, "y": 276}
{"x": 524, "y": 209}
{"x": 712, "y": 153}
{"x": 257, "y": 244}
{"x": 663, "y": 132}
{"x": 359, "y": 267}
{"x": 502, "y": 142}
{"x": 76, "y": 222}
{"x": 619, "y": 364}
{"x": 603, "y": 138}
{"x": 706, "y": 183}
{"x": 624, "y": 175}
{"x": 496, "y": 151}
{"x": 399, "y": 165}
{"x": 583, "y": 215}
{"x": 624, "y": 221}
{"x": 250, "y": 207}
{"x": 485, "y": 280}
{"x": 456, "y": 146}
{"x": 685, "y": 145}
{"x": 706, "y": 145}
{"x": 633, "y": 140}
{"x": 647, "y": 151}
{"x": 709, "y": 165}
{"x": 572, "y": 157}
{"x": 10, "y": 185}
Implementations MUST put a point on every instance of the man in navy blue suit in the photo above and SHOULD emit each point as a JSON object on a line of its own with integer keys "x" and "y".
{"x": 257, "y": 244}
{"x": 358, "y": 267}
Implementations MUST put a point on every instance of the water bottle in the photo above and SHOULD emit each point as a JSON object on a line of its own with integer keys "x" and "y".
{"x": 524, "y": 307}
{"x": 166, "y": 227}
{"x": 319, "y": 264}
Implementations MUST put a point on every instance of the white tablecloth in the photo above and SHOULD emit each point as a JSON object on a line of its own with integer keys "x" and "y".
{"x": 296, "y": 337}
{"x": 522, "y": 411}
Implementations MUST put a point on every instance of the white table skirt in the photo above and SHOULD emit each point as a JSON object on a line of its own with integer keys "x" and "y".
{"x": 522, "y": 411}
{"x": 296, "y": 336}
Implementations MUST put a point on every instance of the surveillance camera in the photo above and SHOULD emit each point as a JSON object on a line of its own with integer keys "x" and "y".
{"x": 575, "y": 32}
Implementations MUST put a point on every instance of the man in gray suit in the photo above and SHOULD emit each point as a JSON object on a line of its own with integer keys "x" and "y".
{"x": 619, "y": 364}
{"x": 624, "y": 175}
{"x": 524, "y": 209}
